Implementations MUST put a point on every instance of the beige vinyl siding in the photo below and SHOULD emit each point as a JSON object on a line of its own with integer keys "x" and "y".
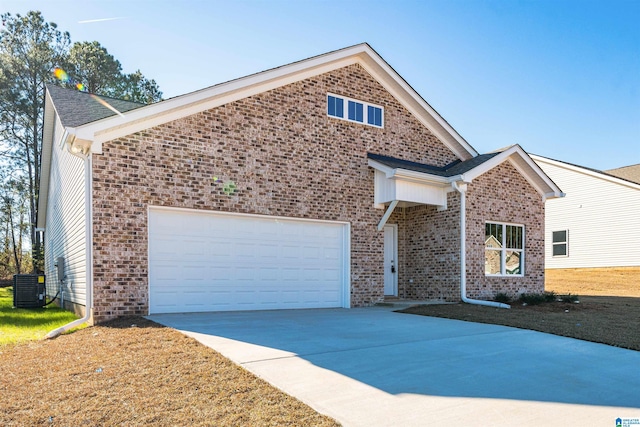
{"x": 601, "y": 214}
{"x": 65, "y": 229}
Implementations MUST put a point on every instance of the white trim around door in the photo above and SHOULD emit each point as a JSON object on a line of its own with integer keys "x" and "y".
{"x": 390, "y": 259}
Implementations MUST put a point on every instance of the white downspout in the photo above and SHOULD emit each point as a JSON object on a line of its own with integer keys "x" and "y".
{"x": 463, "y": 252}
{"x": 89, "y": 252}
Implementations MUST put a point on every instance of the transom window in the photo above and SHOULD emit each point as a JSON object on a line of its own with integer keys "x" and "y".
{"x": 560, "y": 243}
{"x": 503, "y": 249}
{"x": 356, "y": 111}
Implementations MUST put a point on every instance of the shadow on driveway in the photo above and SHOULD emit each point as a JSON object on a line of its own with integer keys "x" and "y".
{"x": 401, "y": 354}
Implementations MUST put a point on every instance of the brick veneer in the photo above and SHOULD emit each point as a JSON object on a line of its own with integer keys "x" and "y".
{"x": 287, "y": 158}
{"x": 429, "y": 243}
{"x": 503, "y": 195}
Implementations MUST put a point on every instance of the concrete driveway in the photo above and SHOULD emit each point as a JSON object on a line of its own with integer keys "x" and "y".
{"x": 374, "y": 367}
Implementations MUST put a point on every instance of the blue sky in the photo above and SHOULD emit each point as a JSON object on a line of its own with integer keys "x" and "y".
{"x": 559, "y": 77}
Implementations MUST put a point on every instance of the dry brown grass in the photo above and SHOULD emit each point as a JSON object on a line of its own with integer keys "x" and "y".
{"x": 621, "y": 282}
{"x": 116, "y": 374}
{"x": 608, "y": 312}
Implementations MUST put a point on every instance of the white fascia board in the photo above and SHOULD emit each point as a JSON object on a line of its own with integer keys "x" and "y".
{"x": 382, "y": 168}
{"x": 584, "y": 171}
{"x": 48, "y": 130}
{"x": 182, "y": 106}
{"x": 420, "y": 177}
{"x": 156, "y": 114}
{"x": 526, "y": 167}
{"x": 472, "y": 174}
{"x": 410, "y": 99}
{"x": 409, "y": 175}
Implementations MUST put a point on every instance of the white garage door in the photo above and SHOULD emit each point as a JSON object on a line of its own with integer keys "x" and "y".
{"x": 203, "y": 261}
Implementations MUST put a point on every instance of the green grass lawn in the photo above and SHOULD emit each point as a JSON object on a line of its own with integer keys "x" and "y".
{"x": 26, "y": 324}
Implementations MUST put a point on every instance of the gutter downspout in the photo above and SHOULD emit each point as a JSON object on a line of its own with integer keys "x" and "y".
{"x": 89, "y": 245}
{"x": 463, "y": 249}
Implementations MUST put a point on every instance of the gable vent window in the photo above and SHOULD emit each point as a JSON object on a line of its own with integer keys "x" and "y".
{"x": 560, "y": 243}
{"x": 356, "y": 111}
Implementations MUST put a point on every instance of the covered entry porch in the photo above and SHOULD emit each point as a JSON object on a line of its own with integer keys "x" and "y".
{"x": 421, "y": 227}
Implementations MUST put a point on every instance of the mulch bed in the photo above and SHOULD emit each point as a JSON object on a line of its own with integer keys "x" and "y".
{"x": 609, "y": 320}
{"x": 134, "y": 372}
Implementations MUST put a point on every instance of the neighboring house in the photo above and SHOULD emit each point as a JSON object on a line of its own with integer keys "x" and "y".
{"x": 328, "y": 182}
{"x": 597, "y": 223}
{"x": 630, "y": 173}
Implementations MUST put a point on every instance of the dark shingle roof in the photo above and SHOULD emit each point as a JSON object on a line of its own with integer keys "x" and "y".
{"x": 77, "y": 108}
{"x": 452, "y": 169}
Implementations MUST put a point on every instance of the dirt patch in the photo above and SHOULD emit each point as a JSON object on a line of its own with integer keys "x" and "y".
{"x": 609, "y": 320}
{"x": 621, "y": 281}
{"x": 120, "y": 374}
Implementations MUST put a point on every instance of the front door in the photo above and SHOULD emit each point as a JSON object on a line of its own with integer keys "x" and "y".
{"x": 391, "y": 260}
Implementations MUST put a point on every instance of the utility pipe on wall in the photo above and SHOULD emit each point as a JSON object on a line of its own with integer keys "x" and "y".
{"x": 89, "y": 254}
{"x": 463, "y": 252}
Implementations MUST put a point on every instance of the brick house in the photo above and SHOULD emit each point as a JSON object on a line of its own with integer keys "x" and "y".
{"x": 328, "y": 182}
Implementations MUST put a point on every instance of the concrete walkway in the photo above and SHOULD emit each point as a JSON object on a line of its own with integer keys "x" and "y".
{"x": 373, "y": 367}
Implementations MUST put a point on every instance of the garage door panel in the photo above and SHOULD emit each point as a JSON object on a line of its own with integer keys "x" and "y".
{"x": 204, "y": 261}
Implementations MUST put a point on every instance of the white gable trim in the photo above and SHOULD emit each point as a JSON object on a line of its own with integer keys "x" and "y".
{"x": 524, "y": 164}
{"x": 156, "y": 114}
{"x": 584, "y": 171}
{"x": 432, "y": 188}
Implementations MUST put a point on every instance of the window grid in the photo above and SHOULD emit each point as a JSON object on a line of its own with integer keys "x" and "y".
{"x": 356, "y": 111}
{"x": 560, "y": 243}
{"x": 504, "y": 249}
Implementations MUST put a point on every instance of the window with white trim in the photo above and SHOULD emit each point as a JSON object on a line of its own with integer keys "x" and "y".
{"x": 560, "y": 243}
{"x": 503, "y": 249}
{"x": 355, "y": 111}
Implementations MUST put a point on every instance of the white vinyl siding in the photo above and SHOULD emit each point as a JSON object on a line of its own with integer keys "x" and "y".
{"x": 602, "y": 214}
{"x": 65, "y": 227}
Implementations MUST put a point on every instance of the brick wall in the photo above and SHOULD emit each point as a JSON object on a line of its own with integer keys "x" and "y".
{"x": 429, "y": 243}
{"x": 286, "y": 157}
{"x": 503, "y": 195}
{"x": 429, "y": 251}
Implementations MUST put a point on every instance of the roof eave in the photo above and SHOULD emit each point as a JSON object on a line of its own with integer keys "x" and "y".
{"x": 409, "y": 175}
{"x": 524, "y": 164}
{"x": 156, "y": 114}
{"x": 586, "y": 171}
{"x": 45, "y": 163}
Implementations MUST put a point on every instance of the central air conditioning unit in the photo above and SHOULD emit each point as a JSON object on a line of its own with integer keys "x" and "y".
{"x": 29, "y": 290}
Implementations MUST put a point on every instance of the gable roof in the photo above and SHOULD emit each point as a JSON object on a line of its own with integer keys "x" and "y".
{"x": 77, "y": 108}
{"x": 452, "y": 169}
{"x": 468, "y": 170}
{"x": 607, "y": 176}
{"x": 630, "y": 173}
{"x": 95, "y": 133}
